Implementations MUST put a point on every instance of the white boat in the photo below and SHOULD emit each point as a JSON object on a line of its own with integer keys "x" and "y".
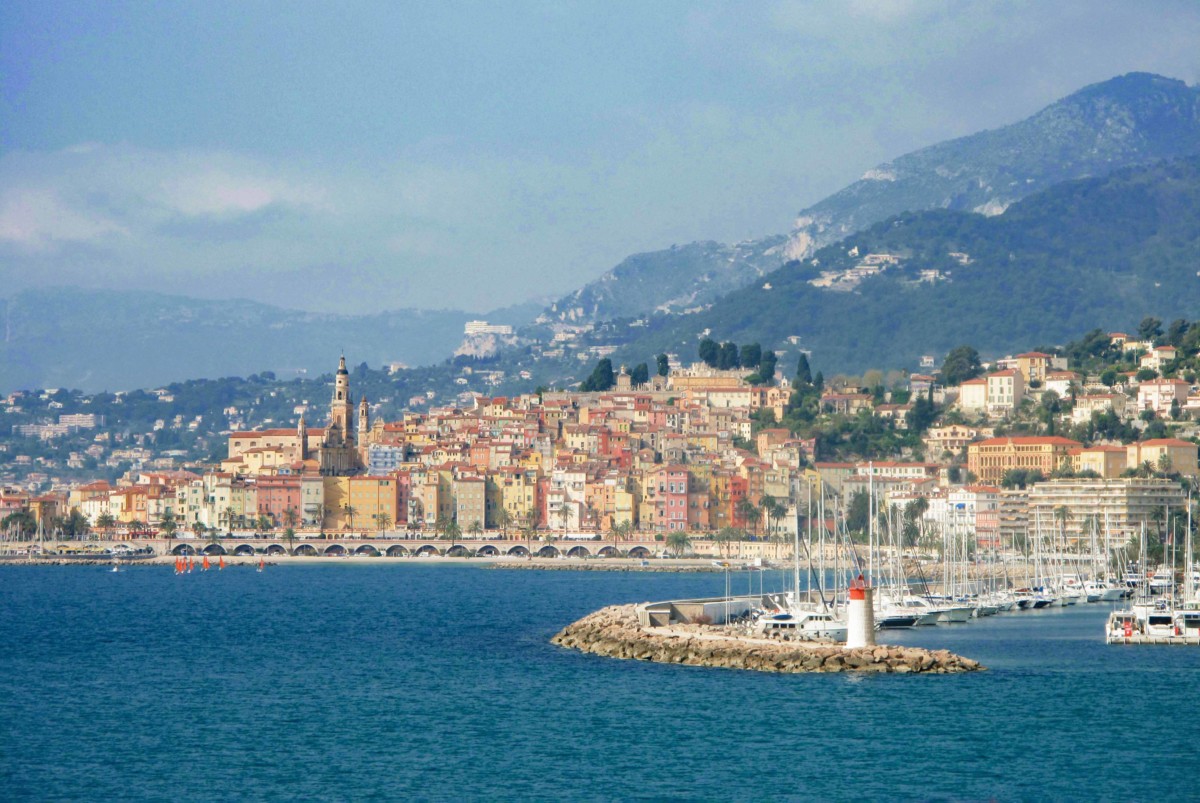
{"x": 802, "y": 624}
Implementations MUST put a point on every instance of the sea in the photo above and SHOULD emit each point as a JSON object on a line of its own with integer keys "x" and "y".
{"x": 412, "y": 679}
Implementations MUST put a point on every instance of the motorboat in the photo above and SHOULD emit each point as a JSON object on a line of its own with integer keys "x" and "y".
{"x": 802, "y": 624}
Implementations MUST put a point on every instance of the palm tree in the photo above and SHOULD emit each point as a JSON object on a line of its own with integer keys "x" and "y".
{"x": 290, "y": 536}
{"x": 167, "y": 526}
{"x": 528, "y": 528}
{"x": 503, "y": 519}
{"x": 679, "y": 542}
{"x": 290, "y": 517}
{"x": 726, "y": 536}
{"x": 105, "y": 521}
{"x": 476, "y": 529}
{"x": 383, "y": 520}
{"x": 227, "y": 516}
{"x": 621, "y": 531}
{"x": 773, "y": 510}
{"x": 750, "y": 512}
{"x": 349, "y": 510}
{"x": 265, "y": 522}
{"x": 453, "y": 531}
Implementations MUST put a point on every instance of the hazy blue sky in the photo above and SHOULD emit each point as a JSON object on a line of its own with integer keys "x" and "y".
{"x": 377, "y": 155}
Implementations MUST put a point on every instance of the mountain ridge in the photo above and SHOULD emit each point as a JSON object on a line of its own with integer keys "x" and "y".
{"x": 1136, "y": 118}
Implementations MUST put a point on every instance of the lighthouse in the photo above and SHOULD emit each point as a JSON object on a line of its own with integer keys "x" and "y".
{"x": 860, "y": 614}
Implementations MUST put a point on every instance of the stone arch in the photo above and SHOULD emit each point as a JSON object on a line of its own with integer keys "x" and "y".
{"x": 247, "y": 549}
{"x": 335, "y": 551}
{"x": 549, "y": 551}
{"x": 458, "y": 551}
{"x": 368, "y": 550}
{"x": 306, "y": 549}
{"x": 609, "y": 551}
{"x": 183, "y": 549}
{"x": 487, "y": 551}
{"x": 639, "y": 552}
{"x": 518, "y": 552}
{"x": 578, "y": 552}
{"x": 397, "y": 551}
{"x": 277, "y": 549}
{"x": 427, "y": 550}
{"x": 214, "y": 550}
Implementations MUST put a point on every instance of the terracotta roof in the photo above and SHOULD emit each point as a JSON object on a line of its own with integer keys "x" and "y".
{"x": 1029, "y": 440}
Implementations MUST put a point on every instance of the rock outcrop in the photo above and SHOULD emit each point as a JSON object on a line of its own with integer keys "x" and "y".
{"x": 615, "y": 632}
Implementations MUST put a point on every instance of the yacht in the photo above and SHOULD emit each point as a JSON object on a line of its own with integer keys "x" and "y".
{"x": 802, "y": 624}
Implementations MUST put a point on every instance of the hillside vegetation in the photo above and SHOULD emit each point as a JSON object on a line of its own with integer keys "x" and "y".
{"x": 1096, "y": 252}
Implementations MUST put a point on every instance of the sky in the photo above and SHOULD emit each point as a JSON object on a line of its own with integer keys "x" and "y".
{"x": 359, "y": 157}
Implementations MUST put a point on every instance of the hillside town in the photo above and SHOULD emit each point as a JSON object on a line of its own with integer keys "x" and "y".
{"x": 693, "y": 449}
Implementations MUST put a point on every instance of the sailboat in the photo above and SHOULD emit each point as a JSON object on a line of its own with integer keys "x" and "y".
{"x": 261, "y": 564}
{"x": 804, "y": 620}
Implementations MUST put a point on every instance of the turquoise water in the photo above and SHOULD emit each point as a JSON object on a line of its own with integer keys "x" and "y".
{"x": 430, "y": 681}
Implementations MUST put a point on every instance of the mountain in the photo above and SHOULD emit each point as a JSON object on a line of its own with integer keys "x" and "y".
{"x": 677, "y": 279}
{"x": 1134, "y": 119}
{"x": 97, "y": 340}
{"x": 1101, "y": 252}
{"x": 1126, "y": 121}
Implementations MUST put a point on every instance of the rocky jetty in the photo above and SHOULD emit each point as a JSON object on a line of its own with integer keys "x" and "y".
{"x": 615, "y": 632}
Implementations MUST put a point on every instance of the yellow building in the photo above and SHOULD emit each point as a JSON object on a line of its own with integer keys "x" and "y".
{"x": 1180, "y": 455}
{"x": 1107, "y": 462}
{"x": 989, "y": 459}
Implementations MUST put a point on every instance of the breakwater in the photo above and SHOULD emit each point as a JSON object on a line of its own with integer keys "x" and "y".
{"x": 616, "y": 632}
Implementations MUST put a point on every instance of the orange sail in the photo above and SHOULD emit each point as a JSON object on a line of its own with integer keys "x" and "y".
{"x": 206, "y": 563}
{"x": 220, "y": 563}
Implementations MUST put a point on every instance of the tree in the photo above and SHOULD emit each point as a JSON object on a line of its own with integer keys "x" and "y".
{"x": 602, "y": 378}
{"x": 664, "y": 364}
{"x": 1108, "y": 377}
{"x": 804, "y": 376}
{"x": 750, "y": 355}
{"x": 858, "y": 512}
{"x": 726, "y": 536}
{"x": 503, "y": 520}
{"x": 640, "y": 375}
{"x": 766, "y": 367}
{"x": 528, "y": 528}
{"x": 105, "y": 521}
{"x": 921, "y": 415}
{"x": 1049, "y": 408}
{"x": 289, "y": 535}
{"x": 1176, "y": 332}
{"x": 679, "y": 542}
{"x": 1150, "y": 328}
{"x": 709, "y": 352}
{"x": 349, "y": 510}
{"x": 290, "y": 517}
{"x": 621, "y": 531}
{"x": 727, "y": 359}
{"x": 167, "y": 525}
{"x": 960, "y": 365}
{"x": 749, "y": 513}
{"x": 453, "y": 531}
{"x": 383, "y": 520}
{"x": 476, "y": 529}
{"x": 22, "y": 523}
